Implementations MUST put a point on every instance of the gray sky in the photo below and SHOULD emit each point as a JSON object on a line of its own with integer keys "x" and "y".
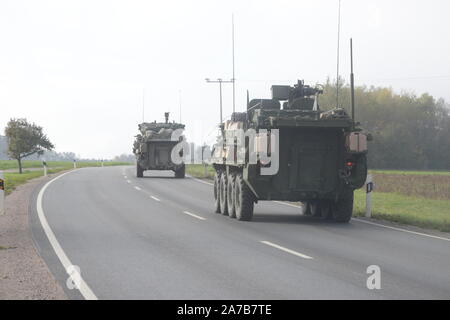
{"x": 78, "y": 68}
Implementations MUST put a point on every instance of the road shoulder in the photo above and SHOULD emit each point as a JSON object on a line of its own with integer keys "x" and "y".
{"x": 23, "y": 273}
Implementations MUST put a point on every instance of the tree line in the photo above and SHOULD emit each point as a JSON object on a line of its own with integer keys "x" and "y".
{"x": 410, "y": 131}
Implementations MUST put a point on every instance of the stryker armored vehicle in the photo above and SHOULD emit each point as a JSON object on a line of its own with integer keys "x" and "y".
{"x": 153, "y": 147}
{"x": 321, "y": 156}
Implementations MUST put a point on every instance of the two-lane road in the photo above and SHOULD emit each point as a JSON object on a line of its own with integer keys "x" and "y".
{"x": 158, "y": 238}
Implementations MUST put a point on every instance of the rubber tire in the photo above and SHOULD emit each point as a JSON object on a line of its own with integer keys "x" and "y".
{"x": 223, "y": 194}
{"x": 343, "y": 208}
{"x": 139, "y": 171}
{"x": 217, "y": 192}
{"x": 306, "y": 209}
{"x": 230, "y": 195}
{"x": 243, "y": 199}
{"x": 180, "y": 172}
{"x": 320, "y": 209}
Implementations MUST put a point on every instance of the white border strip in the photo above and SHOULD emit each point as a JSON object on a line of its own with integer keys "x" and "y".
{"x": 84, "y": 288}
{"x": 378, "y": 224}
{"x": 402, "y": 230}
{"x": 356, "y": 219}
{"x": 201, "y": 181}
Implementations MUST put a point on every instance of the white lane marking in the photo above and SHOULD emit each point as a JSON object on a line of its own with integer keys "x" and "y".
{"x": 194, "y": 215}
{"x": 137, "y": 188}
{"x": 402, "y": 230}
{"x": 201, "y": 181}
{"x": 379, "y": 225}
{"x": 128, "y": 181}
{"x": 84, "y": 288}
{"x": 155, "y": 198}
{"x": 125, "y": 177}
{"x": 295, "y": 253}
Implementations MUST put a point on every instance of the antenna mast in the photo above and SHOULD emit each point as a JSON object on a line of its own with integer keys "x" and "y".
{"x": 143, "y": 103}
{"x": 352, "y": 82}
{"x": 232, "y": 39}
{"x": 179, "y": 97}
{"x": 338, "y": 45}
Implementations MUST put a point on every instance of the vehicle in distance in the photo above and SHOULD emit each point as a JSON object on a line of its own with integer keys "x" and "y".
{"x": 321, "y": 156}
{"x": 153, "y": 147}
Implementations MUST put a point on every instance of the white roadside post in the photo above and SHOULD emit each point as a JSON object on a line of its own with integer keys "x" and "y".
{"x": 369, "y": 189}
{"x": 102, "y": 163}
{"x": 2, "y": 194}
{"x": 205, "y": 165}
{"x": 45, "y": 168}
{"x": 74, "y": 163}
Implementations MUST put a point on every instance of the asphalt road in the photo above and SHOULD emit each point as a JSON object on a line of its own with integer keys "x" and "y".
{"x": 158, "y": 238}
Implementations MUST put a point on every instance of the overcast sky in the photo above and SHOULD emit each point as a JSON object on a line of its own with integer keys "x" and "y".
{"x": 78, "y": 68}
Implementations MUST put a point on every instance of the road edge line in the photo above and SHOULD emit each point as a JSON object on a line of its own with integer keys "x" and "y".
{"x": 84, "y": 289}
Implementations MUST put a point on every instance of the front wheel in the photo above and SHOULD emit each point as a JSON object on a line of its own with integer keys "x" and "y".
{"x": 223, "y": 194}
{"x": 139, "y": 171}
{"x": 180, "y": 172}
{"x": 230, "y": 195}
{"x": 217, "y": 192}
{"x": 243, "y": 199}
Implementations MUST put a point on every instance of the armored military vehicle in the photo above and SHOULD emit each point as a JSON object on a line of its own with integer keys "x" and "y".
{"x": 321, "y": 156}
{"x": 153, "y": 147}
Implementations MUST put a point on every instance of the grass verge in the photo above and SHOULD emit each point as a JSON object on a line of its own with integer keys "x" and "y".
{"x": 420, "y": 212}
{"x": 14, "y": 179}
{"x": 198, "y": 171}
{"x": 26, "y": 164}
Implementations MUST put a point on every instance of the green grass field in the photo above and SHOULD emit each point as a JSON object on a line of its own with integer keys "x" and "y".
{"x": 198, "y": 171}
{"x": 26, "y": 164}
{"x": 419, "y": 198}
{"x": 14, "y": 179}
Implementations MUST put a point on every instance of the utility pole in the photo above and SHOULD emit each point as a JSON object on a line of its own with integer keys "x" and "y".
{"x": 220, "y": 81}
{"x": 143, "y": 103}
{"x": 352, "y": 82}
{"x": 338, "y": 47}
{"x": 234, "y": 79}
{"x": 179, "y": 98}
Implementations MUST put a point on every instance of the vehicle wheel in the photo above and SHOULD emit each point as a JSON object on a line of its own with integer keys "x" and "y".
{"x": 305, "y": 208}
{"x": 230, "y": 195}
{"x": 223, "y": 194}
{"x": 180, "y": 172}
{"x": 217, "y": 192}
{"x": 139, "y": 171}
{"x": 325, "y": 209}
{"x": 243, "y": 199}
{"x": 343, "y": 208}
{"x": 320, "y": 209}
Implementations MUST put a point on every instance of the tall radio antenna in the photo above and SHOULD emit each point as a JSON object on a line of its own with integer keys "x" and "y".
{"x": 143, "y": 104}
{"x": 338, "y": 45}
{"x": 179, "y": 97}
{"x": 234, "y": 80}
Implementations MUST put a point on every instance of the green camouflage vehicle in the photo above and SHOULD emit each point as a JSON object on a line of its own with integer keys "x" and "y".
{"x": 153, "y": 147}
{"x": 321, "y": 156}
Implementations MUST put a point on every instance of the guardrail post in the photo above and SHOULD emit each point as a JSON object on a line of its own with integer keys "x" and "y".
{"x": 369, "y": 189}
{"x": 2, "y": 194}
